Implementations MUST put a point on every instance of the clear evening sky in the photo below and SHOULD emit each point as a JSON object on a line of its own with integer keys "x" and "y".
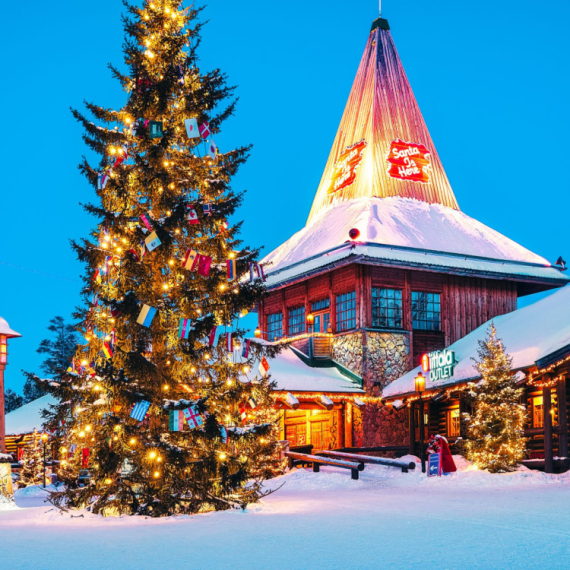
{"x": 491, "y": 79}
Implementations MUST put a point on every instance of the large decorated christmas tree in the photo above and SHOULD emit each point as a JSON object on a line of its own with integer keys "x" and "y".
{"x": 495, "y": 430}
{"x": 166, "y": 407}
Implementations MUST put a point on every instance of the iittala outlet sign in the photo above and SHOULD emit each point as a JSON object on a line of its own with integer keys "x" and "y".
{"x": 440, "y": 364}
{"x": 344, "y": 172}
{"x": 409, "y": 161}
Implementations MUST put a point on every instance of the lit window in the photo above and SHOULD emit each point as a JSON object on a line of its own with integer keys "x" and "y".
{"x": 274, "y": 326}
{"x": 296, "y": 321}
{"x": 387, "y": 308}
{"x": 426, "y": 311}
{"x": 453, "y": 423}
{"x": 346, "y": 311}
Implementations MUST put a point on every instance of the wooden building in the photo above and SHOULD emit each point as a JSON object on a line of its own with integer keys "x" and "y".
{"x": 387, "y": 267}
{"x": 538, "y": 339}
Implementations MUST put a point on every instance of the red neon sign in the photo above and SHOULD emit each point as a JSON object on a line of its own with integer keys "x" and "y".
{"x": 425, "y": 362}
{"x": 344, "y": 172}
{"x": 409, "y": 161}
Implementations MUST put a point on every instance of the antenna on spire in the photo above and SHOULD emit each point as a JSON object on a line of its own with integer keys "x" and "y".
{"x": 380, "y": 7}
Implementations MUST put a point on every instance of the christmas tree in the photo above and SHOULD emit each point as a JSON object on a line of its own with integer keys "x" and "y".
{"x": 496, "y": 430}
{"x": 163, "y": 399}
{"x": 32, "y": 461}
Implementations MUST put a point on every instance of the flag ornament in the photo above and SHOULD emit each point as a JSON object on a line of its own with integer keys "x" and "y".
{"x": 146, "y": 222}
{"x": 212, "y": 149}
{"x": 256, "y": 272}
{"x": 192, "y": 215}
{"x": 229, "y": 342}
{"x": 121, "y": 155}
{"x": 185, "y": 328}
{"x": 263, "y": 367}
{"x": 252, "y": 402}
{"x": 180, "y": 73}
{"x": 146, "y": 315}
{"x": 176, "y": 420}
{"x": 204, "y": 263}
{"x": 85, "y": 457}
{"x": 231, "y": 266}
{"x": 155, "y": 129}
{"x": 243, "y": 413}
{"x": 193, "y": 417}
{"x": 190, "y": 259}
{"x": 192, "y": 128}
{"x": 245, "y": 349}
{"x": 140, "y": 410}
{"x": 209, "y": 209}
{"x": 71, "y": 369}
{"x": 152, "y": 242}
{"x": 107, "y": 350}
{"x": 102, "y": 179}
{"x": 205, "y": 130}
{"x": 223, "y": 434}
{"x": 212, "y": 336}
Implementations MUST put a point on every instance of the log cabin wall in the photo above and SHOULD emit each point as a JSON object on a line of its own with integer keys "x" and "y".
{"x": 466, "y": 302}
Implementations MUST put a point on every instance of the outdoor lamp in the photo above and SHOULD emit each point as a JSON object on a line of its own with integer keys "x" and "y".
{"x": 310, "y": 318}
{"x": 420, "y": 383}
{"x": 3, "y": 349}
{"x": 257, "y": 332}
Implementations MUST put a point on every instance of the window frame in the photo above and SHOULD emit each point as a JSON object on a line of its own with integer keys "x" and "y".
{"x": 345, "y": 324}
{"x": 390, "y": 322}
{"x": 274, "y": 334}
{"x": 299, "y": 326}
{"x": 453, "y": 427}
{"x": 425, "y": 321}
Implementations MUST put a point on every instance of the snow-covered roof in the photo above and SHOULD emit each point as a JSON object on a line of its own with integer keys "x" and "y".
{"x": 530, "y": 334}
{"x": 28, "y": 417}
{"x": 405, "y": 232}
{"x": 291, "y": 374}
{"x": 6, "y": 330}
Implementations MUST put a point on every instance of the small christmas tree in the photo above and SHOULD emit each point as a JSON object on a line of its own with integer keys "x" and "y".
{"x": 32, "y": 462}
{"x": 495, "y": 432}
{"x": 162, "y": 398}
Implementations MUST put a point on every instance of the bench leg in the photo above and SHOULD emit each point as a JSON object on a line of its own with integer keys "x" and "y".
{"x": 354, "y": 474}
{"x": 316, "y": 468}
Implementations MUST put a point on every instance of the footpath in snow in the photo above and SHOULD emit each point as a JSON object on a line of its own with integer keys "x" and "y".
{"x": 387, "y": 519}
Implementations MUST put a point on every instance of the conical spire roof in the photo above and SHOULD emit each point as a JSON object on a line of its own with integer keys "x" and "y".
{"x": 383, "y": 147}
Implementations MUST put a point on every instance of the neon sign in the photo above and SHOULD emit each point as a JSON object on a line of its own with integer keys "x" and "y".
{"x": 409, "y": 161}
{"x": 440, "y": 363}
{"x": 344, "y": 172}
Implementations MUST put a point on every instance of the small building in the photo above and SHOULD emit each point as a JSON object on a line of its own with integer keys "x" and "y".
{"x": 388, "y": 267}
{"x": 22, "y": 422}
{"x": 537, "y": 337}
{"x": 318, "y": 400}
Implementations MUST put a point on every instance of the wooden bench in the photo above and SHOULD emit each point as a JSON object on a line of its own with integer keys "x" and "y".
{"x": 296, "y": 459}
{"x": 403, "y": 465}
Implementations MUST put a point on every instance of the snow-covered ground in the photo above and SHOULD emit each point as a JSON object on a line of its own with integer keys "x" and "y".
{"x": 387, "y": 519}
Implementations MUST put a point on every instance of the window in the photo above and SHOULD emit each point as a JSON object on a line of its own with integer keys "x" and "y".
{"x": 296, "y": 320}
{"x": 453, "y": 423}
{"x": 274, "y": 326}
{"x": 387, "y": 308}
{"x": 426, "y": 311}
{"x": 346, "y": 311}
{"x": 320, "y": 305}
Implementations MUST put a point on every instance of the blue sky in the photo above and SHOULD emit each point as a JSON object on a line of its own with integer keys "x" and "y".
{"x": 491, "y": 78}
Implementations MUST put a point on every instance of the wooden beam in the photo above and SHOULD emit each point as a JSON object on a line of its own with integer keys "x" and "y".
{"x": 562, "y": 418}
{"x": 546, "y": 403}
{"x": 403, "y": 465}
{"x": 412, "y": 425}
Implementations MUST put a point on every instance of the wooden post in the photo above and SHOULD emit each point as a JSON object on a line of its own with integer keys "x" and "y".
{"x": 412, "y": 429}
{"x": 562, "y": 418}
{"x": 546, "y": 406}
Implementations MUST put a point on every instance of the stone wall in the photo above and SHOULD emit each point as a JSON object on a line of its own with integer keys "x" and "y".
{"x": 380, "y": 358}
